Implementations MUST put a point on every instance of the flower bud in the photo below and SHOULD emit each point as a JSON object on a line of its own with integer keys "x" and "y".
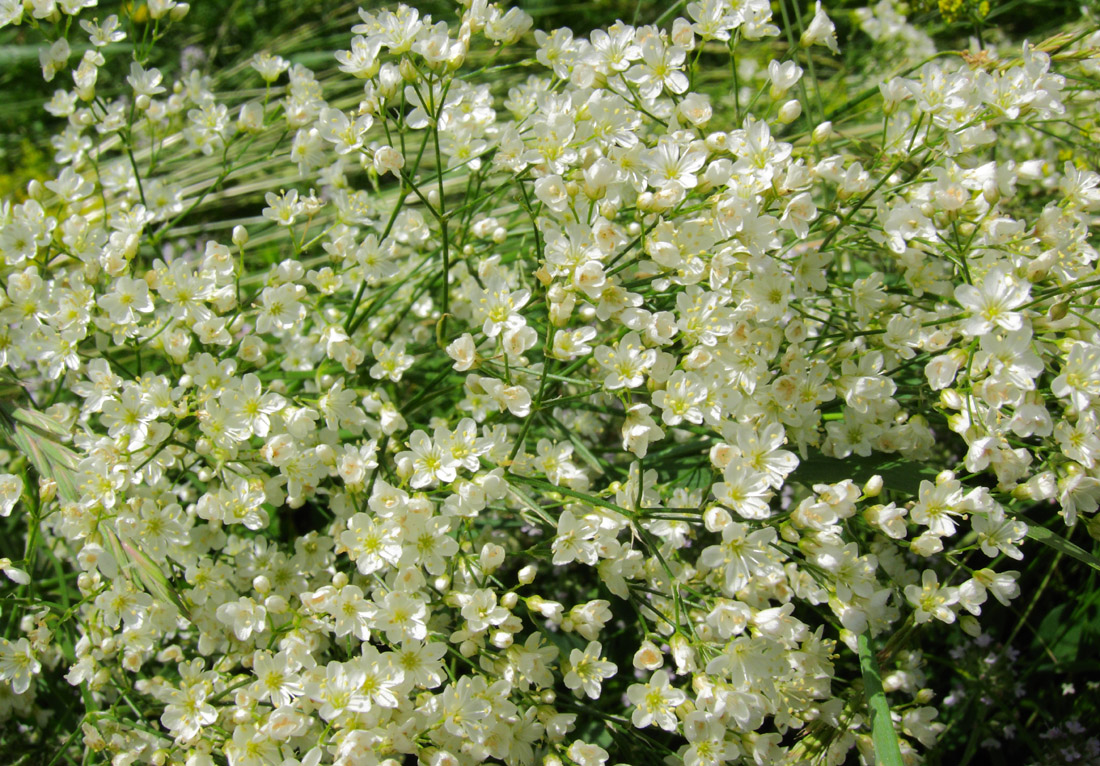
{"x": 648, "y": 656}
{"x": 716, "y": 518}
{"x": 822, "y": 132}
{"x": 970, "y": 625}
{"x": 717, "y": 141}
{"x": 492, "y": 556}
{"x": 47, "y": 489}
{"x": 1092, "y": 526}
{"x": 790, "y": 111}
{"x": 388, "y": 160}
{"x": 261, "y": 583}
{"x": 251, "y": 119}
{"x": 873, "y": 487}
{"x": 682, "y": 34}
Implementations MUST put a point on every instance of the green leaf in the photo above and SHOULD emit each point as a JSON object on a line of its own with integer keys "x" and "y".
{"x": 897, "y": 474}
{"x": 11, "y": 55}
{"x": 150, "y": 574}
{"x": 36, "y": 436}
{"x": 885, "y": 739}
{"x": 592, "y": 500}
{"x": 1061, "y": 544}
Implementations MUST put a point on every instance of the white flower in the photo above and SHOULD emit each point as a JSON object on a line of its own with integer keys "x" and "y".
{"x": 745, "y": 491}
{"x": 282, "y": 208}
{"x": 391, "y": 361}
{"x": 627, "y": 362}
{"x": 145, "y": 82}
{"x": 187, "y": 711}
{"x": 14, "y": 573}
{"x": 575, "y": 541}
{"x": 280, "y": 308}
{"x": 18, "y": 664}
{"x": 275, "y": 679}
{"x": 587, "y": 670}
{"x": 268, "y": 66}
{"x": 639, "y": 429}
{"x": 930, "y": 600}
{"x": 427, "y": 461}
{"x": 583, "y": 754}
{"x": 655, "y": 702}
{"x": 244, "y": 616}
{"x": 11, "y": 489}
{"x": 54, "y": 58}
{"x": 345, "y": 134}
{"x": 992, "y": 304}
{"x": 821, "y": 31}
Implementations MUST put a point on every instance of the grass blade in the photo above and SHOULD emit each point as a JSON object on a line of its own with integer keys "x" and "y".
{"x": 885, "y": 739}
{"x": 1062, "y": 545}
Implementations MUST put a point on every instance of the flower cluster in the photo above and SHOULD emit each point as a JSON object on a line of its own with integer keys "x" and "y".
{"x": 586, "y": 414}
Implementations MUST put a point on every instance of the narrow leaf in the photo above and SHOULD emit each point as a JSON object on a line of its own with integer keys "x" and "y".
{"x": 152, "y": 578}
{"x": 885, "y": 739}
{"x": 897, "y": 474}
{"x": 1062, "y": 545}
{"x": 51, "y": 460}
{"x": 592, "y": 500}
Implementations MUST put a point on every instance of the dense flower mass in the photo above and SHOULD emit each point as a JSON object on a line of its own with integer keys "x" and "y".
{"x": 540, "y": 402}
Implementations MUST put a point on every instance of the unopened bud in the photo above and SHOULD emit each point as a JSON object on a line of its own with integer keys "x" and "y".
{"x": 790, "y": 112}
{"x": 873, "y": 487}
{"x": 276, "y": 604}
{"x": 47, "y": 489}
{"x": 251, "y": 119}
{"x": 261, "y": 583}
{"x": 822, "y": 132}
{"x": 1092, "y": 526}
{"x": 717, "y": 141}
{"x": 970, "y": 625}
{"x": 1059, "y": 310}
{"x": 491, "y": 557}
